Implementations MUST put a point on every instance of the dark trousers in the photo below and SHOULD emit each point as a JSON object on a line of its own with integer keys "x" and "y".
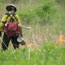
{"x": 6, "y": 40}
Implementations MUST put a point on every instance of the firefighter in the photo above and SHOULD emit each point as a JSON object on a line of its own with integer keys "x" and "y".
{"x": 11, "y": 8}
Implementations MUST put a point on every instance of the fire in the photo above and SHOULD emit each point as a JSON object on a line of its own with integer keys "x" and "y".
{"x": 31, "y": 44}
{"x": 61, "y": 40}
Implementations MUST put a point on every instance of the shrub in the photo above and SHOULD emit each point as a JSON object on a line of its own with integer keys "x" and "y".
{"x": 42, "y": 14}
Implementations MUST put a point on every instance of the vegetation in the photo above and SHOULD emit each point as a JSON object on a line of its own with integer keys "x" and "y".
{"x": 48, "y": 54}
{"x": 47, "y": 19}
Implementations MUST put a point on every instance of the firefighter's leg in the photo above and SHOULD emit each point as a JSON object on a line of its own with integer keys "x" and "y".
{"x": 14, "y": 42}
{"x": 5, "y": 42}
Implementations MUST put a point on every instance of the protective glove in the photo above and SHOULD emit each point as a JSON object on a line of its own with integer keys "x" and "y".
{"x": 23, "y": 42}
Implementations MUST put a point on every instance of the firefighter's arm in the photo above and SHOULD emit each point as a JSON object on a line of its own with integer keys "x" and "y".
{"x": 3, "y": 20}
{"x": 1, "y": 28}
{"x": 19, "y": 22}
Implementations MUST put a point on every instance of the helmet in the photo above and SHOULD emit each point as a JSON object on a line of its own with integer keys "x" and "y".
{"x": 11, "y": 7}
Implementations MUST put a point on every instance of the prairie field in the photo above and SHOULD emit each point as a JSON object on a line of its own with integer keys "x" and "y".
{"x": 46, "y": 38}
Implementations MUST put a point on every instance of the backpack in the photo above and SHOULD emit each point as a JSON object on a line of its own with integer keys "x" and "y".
{"x": 11, "y": 28}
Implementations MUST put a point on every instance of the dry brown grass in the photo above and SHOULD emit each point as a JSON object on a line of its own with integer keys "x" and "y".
{"x": 35, "y": 35}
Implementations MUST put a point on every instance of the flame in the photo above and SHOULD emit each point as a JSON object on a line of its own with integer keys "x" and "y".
{"x": 31, "y": 44}
{"x": 61, "y": 38}
{"x": 28, "y": 45}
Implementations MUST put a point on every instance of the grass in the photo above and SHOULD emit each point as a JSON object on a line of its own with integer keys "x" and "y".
{"x": 48, "y": 54}
{"x": 52, "y": 23}
{"x": 44, "y": 17}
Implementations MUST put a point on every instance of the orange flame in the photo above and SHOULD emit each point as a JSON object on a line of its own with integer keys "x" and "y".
{"x": 61, "y": 38}
{"x": 31, "y": 44}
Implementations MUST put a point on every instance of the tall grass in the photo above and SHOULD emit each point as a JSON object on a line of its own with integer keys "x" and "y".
{"x": 48, "y": 54}
{"x": 42, "y": 15}
{"x": 47, "y": 19}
